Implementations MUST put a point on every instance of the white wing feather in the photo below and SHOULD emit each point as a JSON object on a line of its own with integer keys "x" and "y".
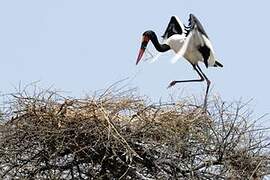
{"x": 182, "y": 51}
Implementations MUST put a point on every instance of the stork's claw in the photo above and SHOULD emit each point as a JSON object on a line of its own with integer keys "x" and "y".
{"x": 171, "y": 84}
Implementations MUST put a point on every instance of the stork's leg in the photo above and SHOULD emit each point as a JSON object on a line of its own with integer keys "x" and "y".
{"x": 207, "y": 88}
{"x": 192, "y": 80}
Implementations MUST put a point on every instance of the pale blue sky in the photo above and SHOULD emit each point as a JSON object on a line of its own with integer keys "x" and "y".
{"x": 82, "y": 46}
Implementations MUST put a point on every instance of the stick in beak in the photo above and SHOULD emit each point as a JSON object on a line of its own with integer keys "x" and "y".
{"x": 145, "y": 41}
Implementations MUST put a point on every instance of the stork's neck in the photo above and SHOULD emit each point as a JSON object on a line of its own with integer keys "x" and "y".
{"x": 159, "y": 47}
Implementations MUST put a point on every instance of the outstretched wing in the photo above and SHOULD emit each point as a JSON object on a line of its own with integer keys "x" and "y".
{"x": 194, "y": 22}
{"x": 175, "y": 26}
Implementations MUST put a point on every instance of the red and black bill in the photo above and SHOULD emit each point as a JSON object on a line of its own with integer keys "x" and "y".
{"x": 145, "y": 41}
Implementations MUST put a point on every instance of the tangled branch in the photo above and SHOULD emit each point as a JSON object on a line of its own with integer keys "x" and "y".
{"x": 119, "y": 135}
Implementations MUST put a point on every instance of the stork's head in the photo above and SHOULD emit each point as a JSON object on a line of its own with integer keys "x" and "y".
{"x": 145, "y": 39}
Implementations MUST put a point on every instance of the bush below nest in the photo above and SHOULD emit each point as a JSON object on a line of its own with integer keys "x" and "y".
{"x": 117, "y": 135}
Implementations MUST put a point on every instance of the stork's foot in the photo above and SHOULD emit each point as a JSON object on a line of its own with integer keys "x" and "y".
{"x": 206, "y": 95}
{"x": 205, "y": 103}
{"x": 204, "y": 107}
{"x": 171, "y": 84}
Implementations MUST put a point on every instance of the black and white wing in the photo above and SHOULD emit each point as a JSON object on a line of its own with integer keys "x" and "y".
{"x": 200, "y": 39}
{"x": 175, "y": 26}
{"x": 195, "y": 23}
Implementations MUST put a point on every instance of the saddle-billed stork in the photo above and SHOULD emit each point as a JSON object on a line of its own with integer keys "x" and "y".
{"x": 190, "y": 41}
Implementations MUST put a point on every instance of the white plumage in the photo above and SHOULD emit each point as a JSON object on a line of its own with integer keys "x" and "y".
{"x": 190, "y": 42}
{"x": 187, "y": 46}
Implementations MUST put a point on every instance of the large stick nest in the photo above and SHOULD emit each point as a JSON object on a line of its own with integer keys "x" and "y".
{"x": 117, "y": 135}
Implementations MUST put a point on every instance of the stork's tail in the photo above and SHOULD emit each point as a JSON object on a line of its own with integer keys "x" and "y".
{"x": 218, "y": 64}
